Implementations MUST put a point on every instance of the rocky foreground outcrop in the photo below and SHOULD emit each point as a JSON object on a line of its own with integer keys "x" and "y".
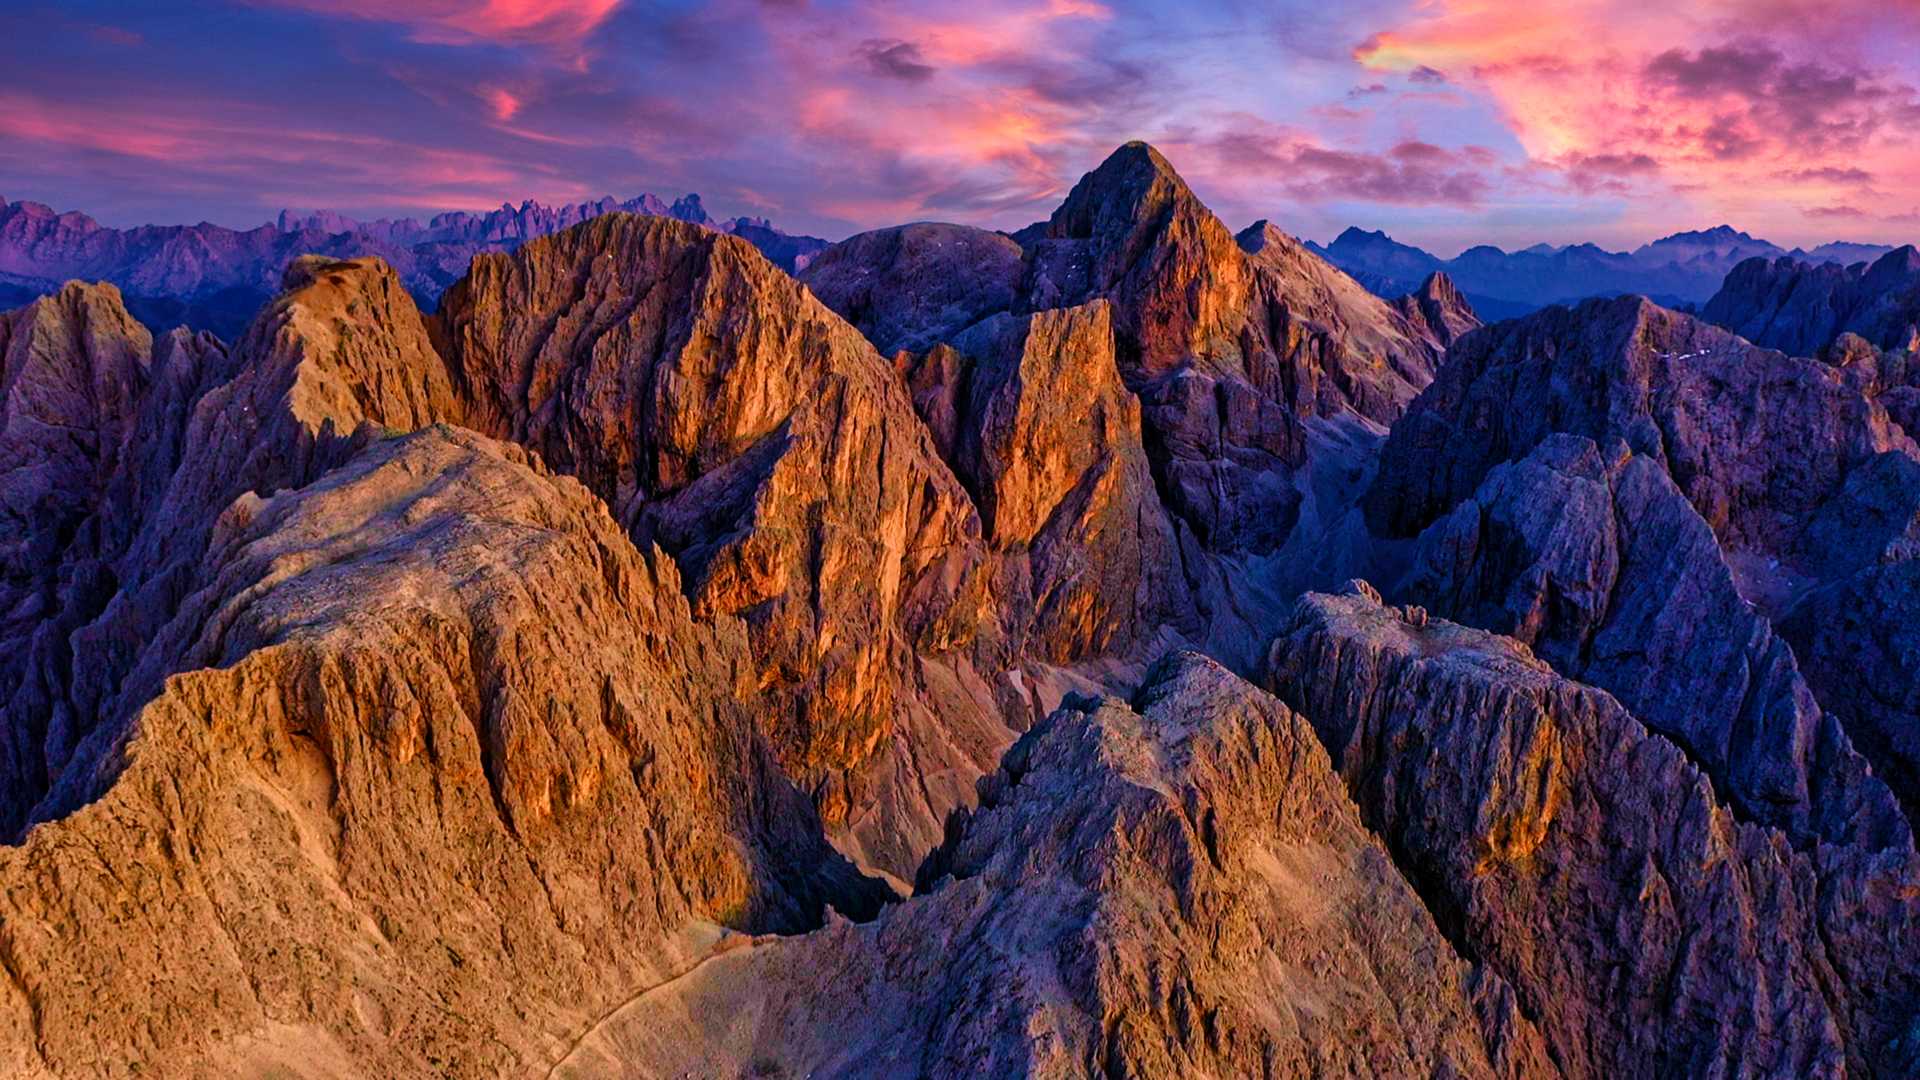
{"x": 1645, "y": 929}
{"x": 449, "y": 764}
{"x": 1175, "y": 885}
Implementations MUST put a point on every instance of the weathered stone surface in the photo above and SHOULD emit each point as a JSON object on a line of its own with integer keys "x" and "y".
{"x": 456, "y": 767}
{"x": 1858, "y": 640}
{"x": 1339, "y": 346}
{"x": 1874, "y": 518}
{"x": 914, "y": 286}
{"x": 1643, "y": 928}
{"x": 1754, "y": 439}
{"x": 1047, "y": 438}
{"x": 1439, "y": 306}
{"x": 1801, "y": 308}
{"x": 73, "y": 367}
{"x": 1173, "y": 887}
{"x": 1133, "y": 232}
{"x": 341, "y": 356}
{"x": 724, "y": 413}
{"x": 1599, "y": 564}
{"x": 1230, "y": 344}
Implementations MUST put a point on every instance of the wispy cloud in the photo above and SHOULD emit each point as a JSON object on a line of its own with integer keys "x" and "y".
{"x": 1450, "y": 121}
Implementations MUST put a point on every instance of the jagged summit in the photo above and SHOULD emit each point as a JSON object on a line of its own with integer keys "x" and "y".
{"x": 1802, "y": 307}
{"x": 1134, "y": 187}
{"x": 212, "y": 277}
{"x": 630, "y": 668}
{"x": 1259, "y": 235}
{"x": 1439, "y": 305}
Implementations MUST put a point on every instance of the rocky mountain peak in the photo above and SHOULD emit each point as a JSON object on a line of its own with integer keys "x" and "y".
{"x": 652, "y": 662}
{"x": 1440, "y": 289}
{"x": 1262, "y": 235}
{"x": 688, "y": 208}
{"x": 1441, "y": 309}
{"x": 1802, "y": 307}
{"x": 1135, "y": 188}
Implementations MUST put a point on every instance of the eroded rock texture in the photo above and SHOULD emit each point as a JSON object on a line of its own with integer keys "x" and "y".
{"x": 1033, "y": 415}
{"x": 1644, "y": 928}
{"x": 521, "y": 685}
{"x": 723, "y": 413}
{"x": 340, "y": 356}
{"x": 1652, "y": 491}
{"x": 1801, "y": 308}
{"x": 1716, "y": 412}
{"x": 1599, "y": 564}
{"x": 453, "y": 763}
{"x": 914, "y": 286}
{"x": 1175, "y": 886}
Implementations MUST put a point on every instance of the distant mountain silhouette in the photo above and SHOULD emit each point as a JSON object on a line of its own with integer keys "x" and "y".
{"x": 211, "y": 277}
{"x": 1684, "y": 269}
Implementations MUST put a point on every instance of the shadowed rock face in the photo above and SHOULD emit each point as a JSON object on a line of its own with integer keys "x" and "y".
{"x": 1802, "y": 308}
{"x": 73, "y": 369}
{"x": 1650, "y": 567}
{"x": 1145, "y": 890}
{"x": 1644, "y": 929}
{"x": 1858, "y": 640}
{"x": 1714, "y": 411}
{"x": 1604, "y": 569}
{"x": 914, "y": 286}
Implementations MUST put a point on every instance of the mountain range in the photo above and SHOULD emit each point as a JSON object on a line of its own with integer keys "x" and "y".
{"x": 1681, "y": 270}
{"x": 214, "y": 278}
{"x": 1120, "y": 647}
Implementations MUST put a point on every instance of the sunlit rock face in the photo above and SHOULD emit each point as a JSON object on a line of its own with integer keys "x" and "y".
{"x": 1645, "y": 927}
{"x": 652, "y": 662}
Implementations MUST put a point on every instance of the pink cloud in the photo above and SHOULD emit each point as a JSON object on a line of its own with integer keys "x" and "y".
{"x": 503, "y": 103}
{"x": 279, "y": 162}
{"x": 1248, "y": 159}
{"x": 463, "y": 22}
{"x": 1731, "y": 102}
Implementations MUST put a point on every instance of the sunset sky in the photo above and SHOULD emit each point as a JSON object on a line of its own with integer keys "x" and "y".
{"x": 1445, "y": 122}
